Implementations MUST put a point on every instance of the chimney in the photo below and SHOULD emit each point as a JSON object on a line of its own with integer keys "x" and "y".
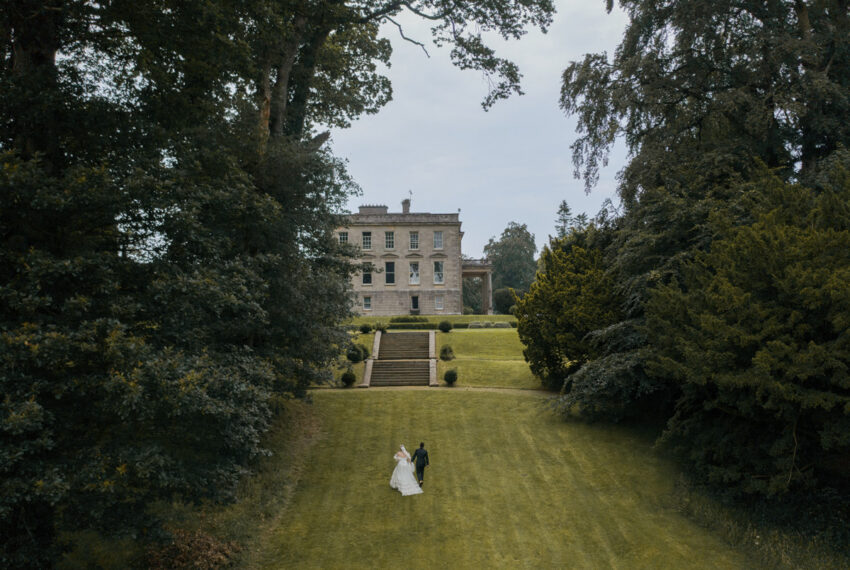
{"x": 405, "y": 206}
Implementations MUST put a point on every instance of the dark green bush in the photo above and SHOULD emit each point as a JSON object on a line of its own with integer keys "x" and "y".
{"x": 365, "y": 328}
{"x": 446, "y": 353}
{"x": 357, "y": 353}
{"x": 381, "y": 327}
{"x": 450, "y": 377}
{"x": 348, "y": 377}
{"x": 445, "y": 326}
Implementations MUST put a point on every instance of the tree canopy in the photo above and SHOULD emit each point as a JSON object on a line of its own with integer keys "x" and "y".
{"x": 512, "y": 256}
{"x": 724, "y": 260}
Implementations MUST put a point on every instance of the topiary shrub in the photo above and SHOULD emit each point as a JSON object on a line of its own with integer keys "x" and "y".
{"x": 348, "y": 377}
{"x": 357, "y": 353}
{"x": 446, "y": 353}
{"x": 445, "y": 326}
{"x": 450, "y": 377}
{"x": 365, "y": 328}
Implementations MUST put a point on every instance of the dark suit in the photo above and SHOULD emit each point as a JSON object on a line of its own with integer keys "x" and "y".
{"x": 420, "y": 459}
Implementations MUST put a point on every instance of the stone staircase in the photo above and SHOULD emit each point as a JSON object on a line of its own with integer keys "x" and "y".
{"x": 402, "y": 359}
{"x": 404, "y": 346}
{"x": 400, "y": 373}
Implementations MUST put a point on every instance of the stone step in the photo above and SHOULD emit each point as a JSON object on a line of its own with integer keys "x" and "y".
{"x": 401, "y": 346}
{"x": 400, "y": 373}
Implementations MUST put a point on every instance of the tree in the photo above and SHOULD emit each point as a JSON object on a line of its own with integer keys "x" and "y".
{"x": 566, "y": 221}
{"x": 705, "y": 95}
{"x": 571, "y": 297}
{"x": 512, "y": 257}
{"x": 706, "y": 82}
{"x": 756, "y": 335}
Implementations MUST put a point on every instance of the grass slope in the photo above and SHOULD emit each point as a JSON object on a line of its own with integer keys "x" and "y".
{"x": 487, "y": 357}
{"x": 510, "y": 486}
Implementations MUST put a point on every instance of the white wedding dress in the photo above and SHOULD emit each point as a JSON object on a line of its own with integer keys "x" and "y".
{"x": 404, "y": 479}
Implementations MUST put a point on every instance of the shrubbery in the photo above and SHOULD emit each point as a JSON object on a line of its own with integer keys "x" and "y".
{"x": 365, "y": 328}
{"x": 357, "y": 353}
{"x": 450, "y": 377}
{"x": 445, "y": 326}
{"x": 446, "y": 353}
{"x": 409, "y": 319}
{"x": 348, "y": 377}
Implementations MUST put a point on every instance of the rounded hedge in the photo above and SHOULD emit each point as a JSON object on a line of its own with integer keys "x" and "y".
{"x": 446, "y": 353}
{"x": 450, "y": 377}
{"x": 348, "y": 377}
{"x": 365, "y": 328}
{"x": 445, "y": 326}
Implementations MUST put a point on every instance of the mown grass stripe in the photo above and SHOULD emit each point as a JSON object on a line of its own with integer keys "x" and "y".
{"x": 510, "y": 487}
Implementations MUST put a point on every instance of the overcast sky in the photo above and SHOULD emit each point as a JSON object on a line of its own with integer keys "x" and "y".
{"x": 511, "y": 163}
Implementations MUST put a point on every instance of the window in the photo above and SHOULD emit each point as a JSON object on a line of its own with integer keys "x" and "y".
{"x": 367, "y": 303}
{"x": 414, "y": 240}
{"x": 367, "y": 240}
{"x": 438, "y": 240}
{"x": 367, "y": 277}
{"x": 389, "y": 272}
{"x": 343, "y": 237}
{"x": 389, "y": 240}
{"x": 438, "y": 302}
{"x": 438, "y": 272}
{"x": 414, "y": 273}
{"x": 414, "y": 303}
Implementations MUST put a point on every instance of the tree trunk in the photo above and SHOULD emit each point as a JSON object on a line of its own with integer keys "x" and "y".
{"x": 280, "y": 90}
{"x": 35, "y": 42}
{"x": 303, "y": 77}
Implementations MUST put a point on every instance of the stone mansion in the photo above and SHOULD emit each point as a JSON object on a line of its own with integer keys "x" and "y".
{"x": 417, "y": 267}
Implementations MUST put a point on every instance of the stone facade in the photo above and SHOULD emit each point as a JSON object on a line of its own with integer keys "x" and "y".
{"x": 416, "y": 259}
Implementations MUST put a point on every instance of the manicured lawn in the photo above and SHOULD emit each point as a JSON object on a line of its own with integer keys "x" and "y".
{"x": 486, "y": 357}
{"x": 488, "y": 344}
{"x": 510, "y": 486}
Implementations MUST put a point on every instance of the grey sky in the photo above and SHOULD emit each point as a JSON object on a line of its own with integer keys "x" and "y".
{"x": 509, "y": 164}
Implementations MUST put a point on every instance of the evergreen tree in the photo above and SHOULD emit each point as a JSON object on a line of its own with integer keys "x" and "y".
{"x": 756, "y": 335}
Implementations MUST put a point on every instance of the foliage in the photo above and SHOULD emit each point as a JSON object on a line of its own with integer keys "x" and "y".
{"x": 512, "y": 256}
{"x": 379, "y": 326}
{"x": 409, "y": 319}
{"x": 714, "y": 84}
{"x": 348, "y": 377}
{"x": 705, "y": 94}
{"x": 365, "y": 328}
{"x": 450, "y": 376}
{"x": 472, "y": 301}
{"x": 503, "y": 300}
{"x": 756, "y": 335}
{"x": 572, "y": 297}
{"x": 357, "y": 353}
{"x": 566, "y": 221}
{"x": 445, "y": 326}
{"x": 446, "y": 353}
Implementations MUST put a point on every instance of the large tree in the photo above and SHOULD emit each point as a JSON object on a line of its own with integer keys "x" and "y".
{"x": 512, "y": 256}
{"x": 705, "y": 94}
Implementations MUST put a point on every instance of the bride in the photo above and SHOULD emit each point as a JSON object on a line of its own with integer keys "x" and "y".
{"x": 403, "y": 478}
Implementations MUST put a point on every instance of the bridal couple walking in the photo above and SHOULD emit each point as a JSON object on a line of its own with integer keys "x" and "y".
{"x": 403, "y": 478}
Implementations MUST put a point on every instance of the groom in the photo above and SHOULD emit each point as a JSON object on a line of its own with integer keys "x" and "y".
{"x": 420, "y": 458}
